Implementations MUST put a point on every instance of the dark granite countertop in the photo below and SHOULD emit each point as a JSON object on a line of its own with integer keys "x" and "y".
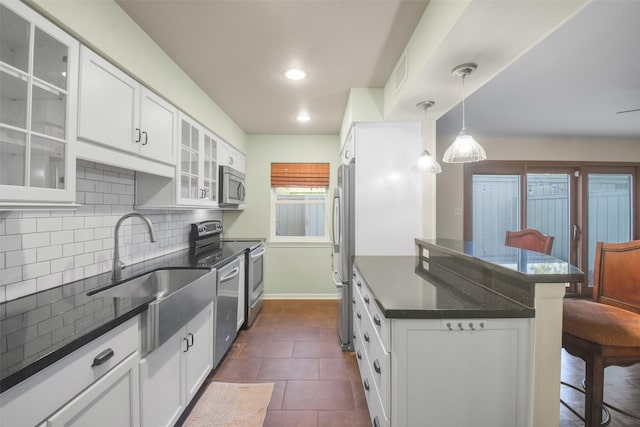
{"x": 39, "y": 329}
{"x": 522, "y": 264}
{"x": 402, "y": 290}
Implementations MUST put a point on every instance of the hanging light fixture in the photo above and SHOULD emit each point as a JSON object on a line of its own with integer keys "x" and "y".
{"x": 426, "y": 163}
{"x": 464, "y": 149}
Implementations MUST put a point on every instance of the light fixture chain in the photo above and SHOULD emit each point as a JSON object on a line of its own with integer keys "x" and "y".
{"x": 463, "y": 97}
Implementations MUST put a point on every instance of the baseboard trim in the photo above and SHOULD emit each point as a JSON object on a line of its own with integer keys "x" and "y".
{"x": 301, "y": 296}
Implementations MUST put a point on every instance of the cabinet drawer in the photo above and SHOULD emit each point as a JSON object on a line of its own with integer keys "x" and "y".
{"x": 382, "y": 325}
{"x": 60, "y": 382}
{"x": 371, "y": 392}
{"x": 378, "y": 361}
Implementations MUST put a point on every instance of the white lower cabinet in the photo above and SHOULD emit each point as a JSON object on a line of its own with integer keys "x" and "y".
{"x": 171, "y": 375}
{"x": 99, "y": 379}
{"x": 442, "y": 372}
{"x": 110, "y": 401}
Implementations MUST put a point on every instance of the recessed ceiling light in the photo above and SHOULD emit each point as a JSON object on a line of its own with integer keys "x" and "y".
{"x": 303, "y": 117}
{"x": 295, "y": 74}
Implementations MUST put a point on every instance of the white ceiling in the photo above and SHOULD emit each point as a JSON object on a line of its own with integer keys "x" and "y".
{"x": 570, "y": 83}
{"x": 238, "y": 50}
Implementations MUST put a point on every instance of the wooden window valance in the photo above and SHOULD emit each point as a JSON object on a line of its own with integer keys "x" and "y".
{"x": 300, "y": 175}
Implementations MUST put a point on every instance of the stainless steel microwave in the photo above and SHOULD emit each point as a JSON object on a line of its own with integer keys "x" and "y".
{"x": 232, "y": 189}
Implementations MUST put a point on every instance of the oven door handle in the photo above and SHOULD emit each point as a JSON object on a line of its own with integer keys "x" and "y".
{"x": 231, "y": 275}
{"x": 258, "y": 253}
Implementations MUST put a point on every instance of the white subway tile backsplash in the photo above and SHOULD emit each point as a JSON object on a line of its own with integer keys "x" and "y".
{"x": 71, "y": 249}
{"x": 49, "y": 224}
{"x": 62, "y": 237}
{"x": 20, "y": 225}
{"x": 35, "y": 240}
{"x": 103, "y": 187}
{"x": 49, "y": 281}
{"x": 48, "y": 253}
{"x": 73, "y": 275}
{"x": 93, "y": 245}
{"x": 94, "y": 198}
{"x": 11, "y": 275}
{"x": 11, "y": 242}
{"x": 20, "y": 289}
{"x": 32, "y": 271}
{"x": 85, "y": 185}
{"x": 72, "y": 223}
{"x": 83, "y": 260}
{"x": 43, "y": 249}
{"x": 61, "y": 264}
{"x": 83, "y": 235}
{"x": 22, "y": 257}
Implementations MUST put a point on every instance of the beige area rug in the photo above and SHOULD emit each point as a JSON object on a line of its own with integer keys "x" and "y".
{"x": 231, "y": 405}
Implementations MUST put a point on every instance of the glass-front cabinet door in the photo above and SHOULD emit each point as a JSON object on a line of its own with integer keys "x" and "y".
{"x": 210, "y": 169}
{"x": 197, "y": 167}
{"x": 190, "y": 159}
{"x": 38, "y": 81}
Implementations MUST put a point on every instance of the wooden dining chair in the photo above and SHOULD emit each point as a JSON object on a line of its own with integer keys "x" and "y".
{"x": 605, "y": 331}
{"x": 529, "y": 239}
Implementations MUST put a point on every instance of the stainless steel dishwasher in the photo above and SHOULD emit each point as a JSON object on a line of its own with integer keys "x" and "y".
{"x": 227, "y": 310}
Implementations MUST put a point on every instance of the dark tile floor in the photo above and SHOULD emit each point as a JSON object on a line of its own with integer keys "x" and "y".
{"x": 294, "y": 344}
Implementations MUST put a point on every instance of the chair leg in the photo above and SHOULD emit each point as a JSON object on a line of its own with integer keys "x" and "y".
{"x": 594, "y": 391}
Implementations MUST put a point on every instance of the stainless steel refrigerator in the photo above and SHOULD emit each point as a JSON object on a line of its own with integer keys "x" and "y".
{"x": 377, "y": 204}
{"x": 343, "y": 237}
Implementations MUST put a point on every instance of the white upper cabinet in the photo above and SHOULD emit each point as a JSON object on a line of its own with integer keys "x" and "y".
{"x": 38, "y": 87}
{"x": 229, "y": 156}
{"x": 196, "y": 173}
{"x": 118, "y": 112}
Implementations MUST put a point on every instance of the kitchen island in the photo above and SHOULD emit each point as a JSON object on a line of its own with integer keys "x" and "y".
{"x": 455, "y": 338}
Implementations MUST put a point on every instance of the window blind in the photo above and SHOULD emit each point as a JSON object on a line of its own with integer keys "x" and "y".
{"x": 300, "y": 175}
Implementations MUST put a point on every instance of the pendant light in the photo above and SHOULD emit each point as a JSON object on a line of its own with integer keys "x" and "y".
{"x": 464, "y": 149}
{"x": 426, "y": 163}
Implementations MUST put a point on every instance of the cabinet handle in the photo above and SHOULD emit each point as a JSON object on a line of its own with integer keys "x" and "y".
{"x": 376, "y": 423}
{"x": 376, "y": 320}
{"x": 359, "y": 283}
{"x": 191, "y": 335}
{"x": 376, "y": 366}
{"x": 146, "y": 138}
{"x": 102, "y": 357}
{"x": 358, "y": 315}
{"x": 366, "y": 384}
{"x": 366, "y": 299}
{"x": 138, "y": 135}
{"x": 353, "y": 300}
{"x": 187, "y": 341}
{"x": 366, "y": 336}
{"x": 359, "y": 355}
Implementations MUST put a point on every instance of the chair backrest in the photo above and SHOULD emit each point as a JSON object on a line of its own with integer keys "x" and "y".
{"x": 616, "y": 279}
{"x": 529, "y": 239}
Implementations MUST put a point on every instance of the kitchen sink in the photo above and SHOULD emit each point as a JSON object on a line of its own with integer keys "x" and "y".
{"x": 179, "y": 294}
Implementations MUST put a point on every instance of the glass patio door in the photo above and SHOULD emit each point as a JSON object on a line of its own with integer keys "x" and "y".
{"x": 609, "y": 212}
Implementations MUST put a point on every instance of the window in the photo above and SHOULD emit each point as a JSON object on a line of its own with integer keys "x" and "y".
{"x": 579, "y": 205}
{"x": 299, "y": 202}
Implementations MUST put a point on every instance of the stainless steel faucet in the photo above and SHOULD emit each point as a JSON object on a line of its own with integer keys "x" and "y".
{"x": 116, "y": 270}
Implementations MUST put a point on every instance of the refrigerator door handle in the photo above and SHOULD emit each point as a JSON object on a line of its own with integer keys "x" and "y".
{"x": 336, "y": 280}
{"x": 336, "y": 235}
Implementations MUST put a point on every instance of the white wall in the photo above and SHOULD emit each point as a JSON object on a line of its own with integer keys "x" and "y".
{"x": 449, "y": 183}
{"x": 292, "y": 270}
